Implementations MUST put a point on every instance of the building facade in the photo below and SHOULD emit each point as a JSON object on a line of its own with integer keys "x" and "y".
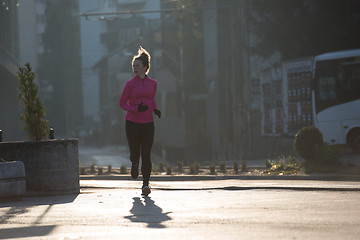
{"x": 286, "y": 104}
{"x": 59, "y": 65}
{"x": 9, "y": 54}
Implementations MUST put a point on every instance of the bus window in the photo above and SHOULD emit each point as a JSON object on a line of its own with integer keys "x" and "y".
{"x": 349, "y": 81}
{"x": 327, "y": 88}
{"x": 338, "y": 82}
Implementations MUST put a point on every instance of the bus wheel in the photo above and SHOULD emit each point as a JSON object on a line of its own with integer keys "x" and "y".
{"x": 355, "y": 141}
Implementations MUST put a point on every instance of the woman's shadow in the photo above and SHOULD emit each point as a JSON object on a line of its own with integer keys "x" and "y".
{"x": 145, "y": 210}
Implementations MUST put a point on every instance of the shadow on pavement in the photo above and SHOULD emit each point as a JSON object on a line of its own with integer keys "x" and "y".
{"x": 37, "y": 201}
{"x": 25, "y": 232}
{"x": 23, "y": 206}
{"x": 147, "y": 211}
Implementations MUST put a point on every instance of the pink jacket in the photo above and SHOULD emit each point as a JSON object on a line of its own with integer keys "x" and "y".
{"x": 136, "y": 91}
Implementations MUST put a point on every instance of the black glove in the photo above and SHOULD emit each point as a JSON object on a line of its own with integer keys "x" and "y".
{"x": 142, "y": 108}
{"x": 157, "y": 112}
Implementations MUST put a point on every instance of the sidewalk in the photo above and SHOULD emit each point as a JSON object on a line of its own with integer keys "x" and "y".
{"x": 206, "y": 209}
{"x": 178, "y": 184}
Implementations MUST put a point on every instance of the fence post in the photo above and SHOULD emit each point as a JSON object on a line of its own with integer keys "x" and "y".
{"x": 51, "y": 133}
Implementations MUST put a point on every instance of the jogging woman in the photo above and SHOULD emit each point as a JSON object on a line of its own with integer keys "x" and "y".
{"x": 138, "y": 100}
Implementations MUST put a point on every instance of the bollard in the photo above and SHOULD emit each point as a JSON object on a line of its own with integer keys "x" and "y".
{"x": 51, "y": 133}
{"x": 0, "y": 135}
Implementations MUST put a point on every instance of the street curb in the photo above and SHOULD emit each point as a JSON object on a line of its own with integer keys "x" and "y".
{"x": 235, "y": 188}
{"x": 325, "y": 177}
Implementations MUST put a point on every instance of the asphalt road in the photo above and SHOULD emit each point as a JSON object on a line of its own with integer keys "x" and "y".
{"x": 218, "y": 209}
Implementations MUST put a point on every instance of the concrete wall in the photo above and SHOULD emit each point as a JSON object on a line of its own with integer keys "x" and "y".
{"x": 51, "y": 167}
{"x": 12, "y": 179}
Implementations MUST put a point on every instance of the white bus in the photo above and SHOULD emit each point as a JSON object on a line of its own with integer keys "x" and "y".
{"x": 336, "y": 97}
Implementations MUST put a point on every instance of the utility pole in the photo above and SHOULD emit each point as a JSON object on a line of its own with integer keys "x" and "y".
{"x": 248, "y": 75}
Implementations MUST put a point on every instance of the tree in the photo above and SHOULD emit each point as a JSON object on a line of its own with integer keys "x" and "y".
{"x": 300, "y": 28}
{"x": 36, "y": 125}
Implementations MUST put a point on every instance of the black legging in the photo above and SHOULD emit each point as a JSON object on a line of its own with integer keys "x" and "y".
{"x": 140, "y": 138}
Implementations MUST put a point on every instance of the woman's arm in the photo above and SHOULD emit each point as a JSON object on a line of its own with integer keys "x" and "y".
{"x": 124, "y": 99}
{"x": 154, "y": 105}
{"x": 155, "y": 109}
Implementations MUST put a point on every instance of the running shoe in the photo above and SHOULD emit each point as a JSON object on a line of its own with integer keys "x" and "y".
{"x": 146, "y": 190}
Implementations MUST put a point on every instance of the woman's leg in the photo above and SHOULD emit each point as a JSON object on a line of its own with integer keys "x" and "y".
{"x": 133, "y": 132}
{"x": 146, "y": 145}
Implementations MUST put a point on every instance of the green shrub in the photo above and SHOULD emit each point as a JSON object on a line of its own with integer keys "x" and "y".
{"x": 292, "y": 164}
{"x": 180, "y": 166}
{"x": 82, "y": 170}
{"x": 100, "y": 171}
{"x": 161, "y": 167}
{"x": 92, "y": 168}
{"x": 268, "y": 164}
{"x": 197, "y": 167}
{"x": 168, "y": 170}
{"x": 194, "y": 168}
{"x": 306, "y": 141}
{"x": 212, "y": 169}
{"x": 123, "y": 169}
{"x": 154, "y": 168}
{"x": 285, "y": 165}
{"x": 236, "y": 167}
{"x": 223, "y": 167}
{"x": 326, "y": 159}
{"x": 327, "y": 154}
{"x": 109, "y": 169}
{"x": 243, "y": 166}
{"x": 36, "y": 126}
